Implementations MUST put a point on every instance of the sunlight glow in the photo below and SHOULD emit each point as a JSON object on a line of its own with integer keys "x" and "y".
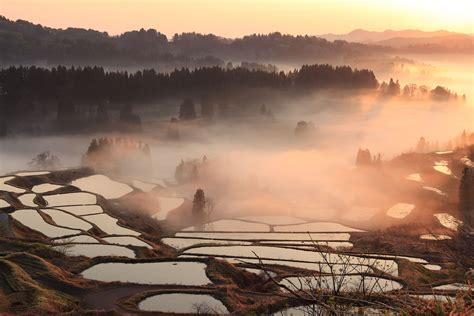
{"x": 234, "y": 18}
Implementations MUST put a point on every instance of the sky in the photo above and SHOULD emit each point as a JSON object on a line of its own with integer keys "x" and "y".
{"x": 234, "y": 18}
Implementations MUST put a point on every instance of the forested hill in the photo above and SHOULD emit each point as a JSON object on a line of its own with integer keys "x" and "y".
{"x": 24, "y": 42}
{"x": 94, "y": 83}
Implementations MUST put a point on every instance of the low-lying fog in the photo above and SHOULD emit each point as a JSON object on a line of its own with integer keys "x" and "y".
{"x": 306, "y": 170}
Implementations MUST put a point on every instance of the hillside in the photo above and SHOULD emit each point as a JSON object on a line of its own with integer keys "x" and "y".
{"x": 25, "y": 42}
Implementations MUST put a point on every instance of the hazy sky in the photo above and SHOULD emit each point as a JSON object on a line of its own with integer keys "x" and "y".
{"x": 234, "y": 18}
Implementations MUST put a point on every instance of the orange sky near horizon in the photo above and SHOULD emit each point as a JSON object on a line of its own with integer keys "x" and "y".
{"x": 234, "y": 18}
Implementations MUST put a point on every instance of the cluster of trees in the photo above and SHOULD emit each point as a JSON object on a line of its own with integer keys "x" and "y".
{"x": 74, "y": 117}
{"x": 199, "y": 203}
{"x": 393, "y": 88}
{"x": 191, "y": 170}
{"x": 187, "y": 110}
{"x": 209, "y": 110}
{"x": 118, "y": 155}
{"x": 304, "y": 128}
{"x": 364, "y": 158}
{"x": 26, "y": 42}
{"x": 45, "y": 161}
{"x": 462, "y": 140}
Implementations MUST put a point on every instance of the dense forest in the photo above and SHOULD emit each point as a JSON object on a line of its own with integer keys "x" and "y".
{"x": 80, "y": 97}
{"x": 24, "y": 42}
{"x": 95, "y": 84}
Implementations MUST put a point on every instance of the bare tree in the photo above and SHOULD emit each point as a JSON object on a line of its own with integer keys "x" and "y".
{"x": 341, "y": 283}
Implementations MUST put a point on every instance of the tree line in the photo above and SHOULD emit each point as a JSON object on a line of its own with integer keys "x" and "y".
{"x": 413, "y": 91}
{"x": 20, "y": 84}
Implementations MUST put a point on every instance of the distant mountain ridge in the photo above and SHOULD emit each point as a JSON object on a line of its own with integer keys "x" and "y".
{"x": 372, "y": 37}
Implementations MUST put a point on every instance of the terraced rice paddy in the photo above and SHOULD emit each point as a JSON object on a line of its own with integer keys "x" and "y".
{"x": 414, "y": 177}
{"x": 288, "y": 254}
{"x": 181, "y": 243}
{"x": 102, "y": 185}
{"x": 143, "y": 186}
{"x": 4, "y": 203}
{"x": 167, "y": 204}
{"x": 273, "y": 237}
{"x": 442, "y": 166}
{"x": 127, "y": 241}
{"x": 281, "y": 241}
{"x": 229, "y": 225}
{"x": 32, "y": 173}
{"x": 4, "y": 186}
{"x": 109, "y": 225}
{"x": 452, "y": 287}
{"x": 28, "y": 199}
{"x": 448, "y": 221}
{"x": 274, "y": 220}
{"x": 400, "y": 210}
{"x": 438, "y": 191}
{"x": 316, "y": 227}
{"x": 31, "y": 219}
{"x": 345, "y": 283}
{"x": 434, "y": 237}
{"x": 67, "y": 199}
{"x": 183, "y": 303}
{"x": 64, "y": 219}
{"x": 46, "y": 187}
{"x": 95, "y": 250}
{"x": 82, "y": 239}
{"x": 171, "y": 272}
{"x": 81, "y": 210}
